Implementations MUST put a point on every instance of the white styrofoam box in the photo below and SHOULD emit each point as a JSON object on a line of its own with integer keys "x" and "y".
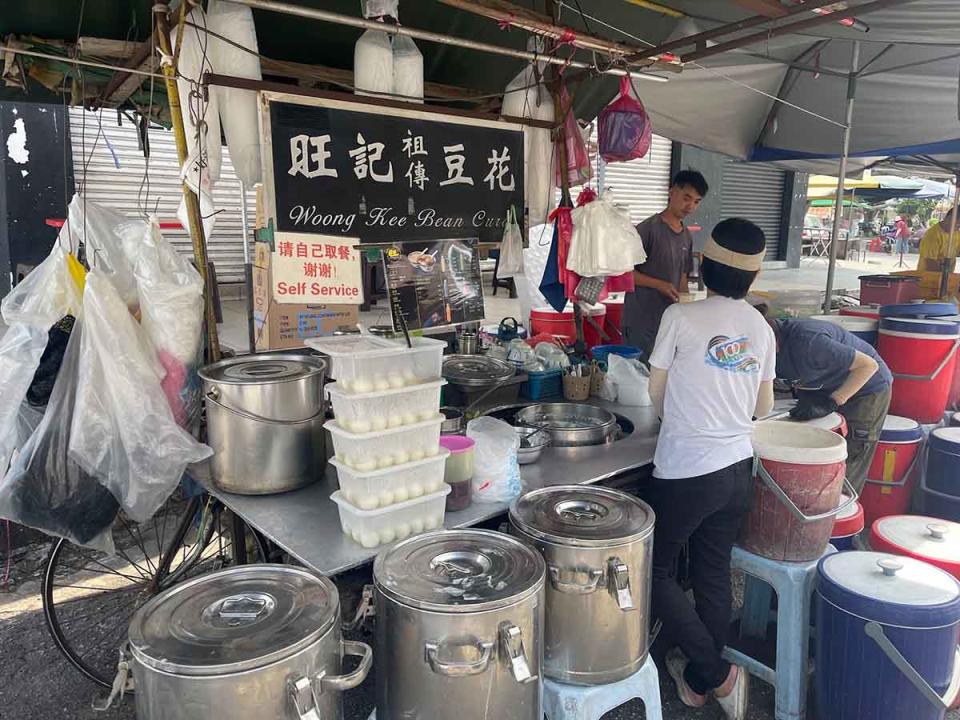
{"x": 362, "y": 363}
{"x": 380, "y": 488}
{"x": 382, "y": 526}
{"x": 357, "y": 412}
{"x": 385, "y": 447}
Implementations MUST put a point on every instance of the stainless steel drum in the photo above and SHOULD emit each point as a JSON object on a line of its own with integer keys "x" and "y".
{"x": 459, "y": 627}
{"x": 571, "y": 424}
{"x": 251, "y": 642}
{"x": 597, "y": 544}
{"x": 265, "y": 422}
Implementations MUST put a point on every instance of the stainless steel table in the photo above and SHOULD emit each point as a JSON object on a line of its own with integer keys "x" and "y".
{"x": 306, "y": 524}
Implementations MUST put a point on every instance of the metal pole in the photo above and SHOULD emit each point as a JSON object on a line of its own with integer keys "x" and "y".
{"x": 193, "y": 204}
{"x": 247, "y": 268}
{"x": 948, "y": 261}
{"x": 838, "y": 203}
{"x": 364, "y": 24}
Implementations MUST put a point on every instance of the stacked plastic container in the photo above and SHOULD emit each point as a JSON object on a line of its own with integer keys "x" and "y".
{"x": 386, "y": 435}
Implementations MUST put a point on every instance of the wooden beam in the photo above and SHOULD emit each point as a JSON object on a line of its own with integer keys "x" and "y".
{"x": 106, "y": 47}
{"x": 142, "y": 58}
{"x": 768, "y": 8}
{"x": 792, "y": 28}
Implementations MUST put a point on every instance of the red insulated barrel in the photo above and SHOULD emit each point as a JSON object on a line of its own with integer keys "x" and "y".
{"x": 893, "y": 470}
{"x": 799, "y": 475}
{"x": 848, "y": 524}
{"x": 929, "y": 539}
{"x": 549, "y": 321}
{"x": 613, "y": 321}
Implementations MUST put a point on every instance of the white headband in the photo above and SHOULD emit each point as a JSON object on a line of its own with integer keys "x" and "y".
{"x": 730, "y": 258}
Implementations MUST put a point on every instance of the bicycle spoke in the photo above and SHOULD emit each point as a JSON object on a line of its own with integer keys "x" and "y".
{"x": 134, "y": 532}
{"x": 143, "y": 573}
{"x": 116, "y": 572}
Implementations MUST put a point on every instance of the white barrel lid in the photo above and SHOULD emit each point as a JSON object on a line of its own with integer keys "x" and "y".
{"x": 828, "y": 422}
{"x": 850, "y": 510}
{"x": 900, "y": 429}
{"x": 922, "y": 536}
{"x": 851, "y": 323}
{"x": 905, "y": 581}
{"x": 797, "y": 443}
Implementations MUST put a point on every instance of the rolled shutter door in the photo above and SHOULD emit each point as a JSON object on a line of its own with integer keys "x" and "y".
{"x": 109, "y": 168}
{"x": 642, "y": 185}
{"x": 755, "y": 192}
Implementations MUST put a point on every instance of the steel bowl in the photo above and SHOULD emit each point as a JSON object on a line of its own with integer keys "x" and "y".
{"x": 532, "y": 443}
{"x": 571, "y": 424}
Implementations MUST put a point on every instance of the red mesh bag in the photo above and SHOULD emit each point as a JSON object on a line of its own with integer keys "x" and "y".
{"x": 624, "y": 127}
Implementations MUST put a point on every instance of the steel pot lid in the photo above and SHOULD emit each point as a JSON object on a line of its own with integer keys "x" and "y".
{"x": 459, "y": 571}
{"x": 263, "y": 369}
{"x": 234, "y": 620}
{"x": 476, "y": 370}
{"x": 582, "y": 516}
{"x": 925, "y": 538}
{"x": 567, "y": 416}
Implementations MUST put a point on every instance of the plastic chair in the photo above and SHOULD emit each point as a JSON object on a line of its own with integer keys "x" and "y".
{"x": 591, "y": 702}
{"x": 794, "y": 584}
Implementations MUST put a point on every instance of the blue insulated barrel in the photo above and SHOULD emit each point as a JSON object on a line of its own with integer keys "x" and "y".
{"x": 943, "y": 461}
{"x": 865, "y": 598}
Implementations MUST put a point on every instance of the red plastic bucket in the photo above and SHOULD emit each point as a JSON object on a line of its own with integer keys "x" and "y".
{"x": 592, "y": 334}
{"x": 922, "y": 355}
{"x": 613, "y": 321}
{"x": 798, "y": 475}
{"x": 893, "y": 471}
{"x": 549, "y": 321}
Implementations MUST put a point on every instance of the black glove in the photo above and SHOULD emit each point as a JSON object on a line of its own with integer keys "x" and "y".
{"x": 811, "y": 406}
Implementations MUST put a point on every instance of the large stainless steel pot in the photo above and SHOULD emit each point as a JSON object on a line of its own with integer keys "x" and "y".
{"x": 571, "y": 424}
{"x": 597, "y": 544}
{"x": 248, "y": 643}
{"x": 265, "y": 422}
{"x": 459, "y": 628}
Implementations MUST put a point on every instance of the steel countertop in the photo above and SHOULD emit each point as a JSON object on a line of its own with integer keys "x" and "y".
{"x": 306, "y": 522}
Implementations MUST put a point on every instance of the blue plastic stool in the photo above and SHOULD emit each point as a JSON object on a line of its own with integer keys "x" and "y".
{"x": 794, "y": 584}
{"x": 591, "y": 702}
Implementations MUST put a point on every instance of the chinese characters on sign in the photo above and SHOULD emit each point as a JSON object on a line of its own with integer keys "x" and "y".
{"x": 344, "y": 168}
{"x": 316, "y": 269}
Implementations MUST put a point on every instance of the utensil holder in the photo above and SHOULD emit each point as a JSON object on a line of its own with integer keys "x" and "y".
{"x": 596, "y": 381}
{"x": 576, "y": 388}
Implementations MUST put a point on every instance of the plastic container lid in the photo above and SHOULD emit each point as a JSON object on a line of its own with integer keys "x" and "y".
{"x": 946, "y": 439}
{"x": 929, "y": 539}
{"x": 263, "y": 369}
{"x": 900, "y": 429}
{"x": 476, "y": 370}
{"x": 922, "y": 326}
{"x": 790, "y": 442}
{"x": 918, "y": 310}
{"x": 850, "y": 323}
{"x": 459, "y": 571}
{"x": 849, "y": 521}
{"x": 830, "y": 422}
{"x": 889, "y": 589}
{"x": 234, "y": 620}
{"x": 457, "y": 444}
{"x": 582, "y": 516}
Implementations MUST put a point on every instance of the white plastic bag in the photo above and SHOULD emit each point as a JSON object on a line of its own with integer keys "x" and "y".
{"x": 238, "y": 107}
{"x": 373, "y": 64}
{"x": 381, "y": 8}
{"x": 496, "y": 476}
{"x": 511, "y": 247}
{"x": 604, "y": 241}
{"x": 407, "y": 69}
{"x": 534, "y": 262}
{"x": 631, "y": 380}
{"x": 20, "y": 350}
{"x": 124, "y": 432}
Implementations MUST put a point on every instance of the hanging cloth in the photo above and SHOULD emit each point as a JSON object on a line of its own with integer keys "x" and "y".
{"x": 550, "y": 285}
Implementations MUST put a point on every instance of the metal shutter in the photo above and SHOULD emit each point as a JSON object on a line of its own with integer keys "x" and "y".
{"x": 111, "y": 169}
{"x": 755, "y": 193}
{"x": 641, "y": 185}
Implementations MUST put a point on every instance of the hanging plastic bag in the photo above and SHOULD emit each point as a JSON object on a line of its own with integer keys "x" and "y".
{"x": 511, "y": 248}
{"x": 407, "y": 70}
{"x": 373, "y": 64}
{"x": 631, "y": 380}
{"x": 381, "y": 8}
{"x": 44, "y": 488}
{"x": 238, "y": 107}
{"x": 534, "y": 261}
{"x": 578, "y": 159}
{"x": 21, "y": 347}
{"x": 624, "y": 128}
{"x": 603, "y": 242}
{"x": 497, "y": 474}
{"x": 124, "y": 432}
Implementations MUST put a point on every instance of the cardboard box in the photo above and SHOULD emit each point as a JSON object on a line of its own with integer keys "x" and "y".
{"x": 280, "y": 326}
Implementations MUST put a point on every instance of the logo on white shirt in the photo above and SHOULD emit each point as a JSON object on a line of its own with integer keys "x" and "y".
{"x": 732, "y": 354}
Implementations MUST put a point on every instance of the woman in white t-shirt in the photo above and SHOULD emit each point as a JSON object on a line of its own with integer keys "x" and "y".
{"x": 712, "y": 372}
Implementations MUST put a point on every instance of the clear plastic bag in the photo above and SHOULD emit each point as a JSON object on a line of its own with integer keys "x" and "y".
{"x": 373, "y": 64}
{"x": 604, "y": 241}
{"x": 631, "y": 380}
{"x": 578, "y": 159}
{"x": 20, "y": 350}
{"x": 45, "y": 488}
{"x": 381, "y": 8}
{"x": 511, "y": 247}
{"x": 407, "y": 69}
{"x": 496, "y": 476}
{"x": 624, "y": 128}
{"x": 124, "y": 431}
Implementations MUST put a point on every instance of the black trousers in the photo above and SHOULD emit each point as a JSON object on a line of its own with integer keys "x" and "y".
{"x": 705, "y": 513}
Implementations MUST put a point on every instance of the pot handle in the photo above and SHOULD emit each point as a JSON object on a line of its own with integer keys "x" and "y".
{"x": 351, "y": 679}
{"x": 575, "y": 588}
{"x": 619, "y": 575}
{"x": 511, "y": 640}
{"x": 213, "y": 396}
{"x": 433, "y": 652}
{"x": 302, "y": 698}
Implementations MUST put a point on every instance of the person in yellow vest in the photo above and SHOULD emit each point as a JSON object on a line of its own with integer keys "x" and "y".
{"x": 935, "y": 247}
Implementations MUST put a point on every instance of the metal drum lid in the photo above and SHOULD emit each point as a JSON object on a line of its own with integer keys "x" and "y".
{"x": 257, "y": 369}
{"x": 459, "y": 571}
{"x": 929, "y": 539}
{"x": 582, "y": 516}
{"x": 476, "y": 370}
{"x": 946, "y": 439}
{"x": 234, "y": 620}
{"x": 890, "y": 589}
{"x": 900, "y": 429}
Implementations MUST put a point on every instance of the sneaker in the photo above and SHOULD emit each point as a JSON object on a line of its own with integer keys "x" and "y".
{"x": 676, "y": 665}
{"x": 736, "y": 694}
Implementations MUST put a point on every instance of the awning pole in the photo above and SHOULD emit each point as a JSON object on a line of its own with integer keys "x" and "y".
{"x": 838, "y": 203}
{"x": 948, "y": 261}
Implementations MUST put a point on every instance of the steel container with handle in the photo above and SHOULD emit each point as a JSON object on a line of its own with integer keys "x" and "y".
{"x": 459, "y": 628}
{"x": 251, "y": 642}
{"x": 598, "y": 545}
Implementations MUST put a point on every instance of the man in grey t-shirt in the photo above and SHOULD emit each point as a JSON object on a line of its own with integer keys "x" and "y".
{"x": 663, "y": 277}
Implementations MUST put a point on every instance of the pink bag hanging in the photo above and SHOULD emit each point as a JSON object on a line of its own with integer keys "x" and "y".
{"x": 624, "y": 127}
{"x": 578, "y": 159}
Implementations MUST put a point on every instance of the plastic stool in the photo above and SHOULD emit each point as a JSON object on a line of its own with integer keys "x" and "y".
{"x": 590, "y": 702}
{"x": 794, "y": 583}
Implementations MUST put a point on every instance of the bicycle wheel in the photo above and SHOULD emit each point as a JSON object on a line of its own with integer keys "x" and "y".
{"x": 89, "y": 598}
